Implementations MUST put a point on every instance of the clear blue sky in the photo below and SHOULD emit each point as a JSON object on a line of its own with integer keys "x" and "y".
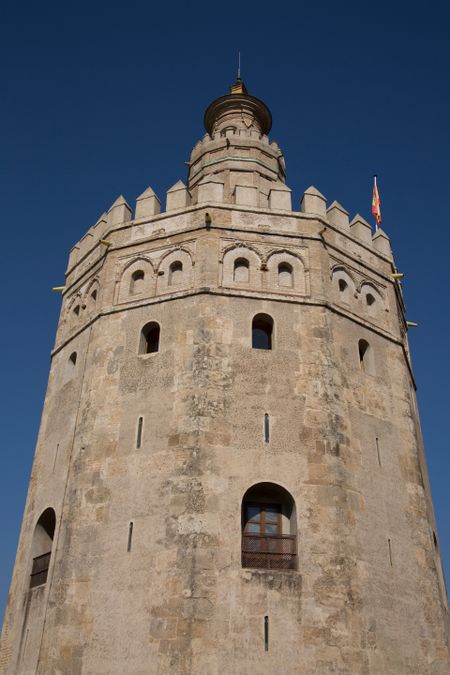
{"x": 103, "y": 98}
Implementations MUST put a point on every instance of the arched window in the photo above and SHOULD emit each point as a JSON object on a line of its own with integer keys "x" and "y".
{"x": 175, "y": 273}
{"x": 94, "y": 295}
{"x": 149, "y": 341}
{"x": 344, "y": 290}
{"x": 370, "y": 299}
{"x": 285, "y": 275}
{"x": 42, "y": 547}
{"x": 73, "y": 359}
{"x": 269, "y": 528}
{"x": 241, "y": 270}
{"x": 137, "y": 282}
{"x": 366, "y": 361}
{"x": 228, "y": 131}
{"x": 262, "y": 330}
{"x": 76, "y": 310}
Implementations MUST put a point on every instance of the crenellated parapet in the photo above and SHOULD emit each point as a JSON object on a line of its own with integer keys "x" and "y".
{"x": 258, "y": 251}
{"x": 149, "y": 219}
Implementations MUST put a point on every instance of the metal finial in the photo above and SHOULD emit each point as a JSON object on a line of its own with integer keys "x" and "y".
{"x": 239, "y": 66}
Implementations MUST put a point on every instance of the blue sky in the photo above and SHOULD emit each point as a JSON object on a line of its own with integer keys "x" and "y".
{"x": 103, "y": 98}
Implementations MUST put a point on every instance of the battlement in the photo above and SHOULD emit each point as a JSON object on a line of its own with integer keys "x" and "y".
{"x": 150, "y": 219}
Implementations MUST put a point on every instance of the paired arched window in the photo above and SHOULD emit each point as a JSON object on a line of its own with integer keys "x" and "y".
{"x": 149, "y": 341}
{"x": 285, "y": 275}
{"x": 269, "y": 528}
{"x": 175, "y": 273}
{"x": 262, "y": 331}
{"x": 366, "y": 360}
{"x": 241, "y": 270}
{"x": 42, "y": 547}
{"x": 137, "y": 282}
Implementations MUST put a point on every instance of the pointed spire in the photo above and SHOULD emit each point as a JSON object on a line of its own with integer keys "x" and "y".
{"x": 313, "y": 201}
{"x": 147, "y": 204}
{"x": 120, "y": 201}
{"x": 238, "y": 87}
{"x": 178, "y": 196}
{"x": 337, "y": 215}
{"x": 119, "y": 211}
{"x": 382, "y": 242}
{"x": 361, "y": 229}
{"x": 280, "y": 197}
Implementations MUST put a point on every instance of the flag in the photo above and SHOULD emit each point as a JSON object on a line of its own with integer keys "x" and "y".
{"x": 376, "y": 204}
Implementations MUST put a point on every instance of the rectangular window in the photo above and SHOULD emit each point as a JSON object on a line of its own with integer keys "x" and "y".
{"x": 263, "y": 519}
{"x": 39, "y": 571}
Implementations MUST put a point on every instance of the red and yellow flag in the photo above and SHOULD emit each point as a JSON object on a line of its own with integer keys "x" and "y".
{"x": 376, "y": 204}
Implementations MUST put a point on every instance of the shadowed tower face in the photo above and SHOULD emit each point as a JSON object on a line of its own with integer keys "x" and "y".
{"x": 229, "y": 475}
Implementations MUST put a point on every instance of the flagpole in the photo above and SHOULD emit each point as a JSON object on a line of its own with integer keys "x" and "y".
{"x": 375, "y": 186}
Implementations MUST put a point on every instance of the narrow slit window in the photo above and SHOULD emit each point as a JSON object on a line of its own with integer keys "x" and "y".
{"x": 130, "y": 536}
{"x": 266, "y": 633}
{"x": 55, "y": 456}
{"x": 262, "y": 331}
{"x": 139, "y": 432}
{"x": 390, "y": 552}
{"x": 94, "y": 295}
{"x": 266, "y": 428}
{"x": 73, "y": 359}
{"x": 378, "y": 450}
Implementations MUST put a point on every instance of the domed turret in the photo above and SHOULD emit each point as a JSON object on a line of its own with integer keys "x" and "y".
{"x": 236, "y": 149}
{"x": 238, "y": 109}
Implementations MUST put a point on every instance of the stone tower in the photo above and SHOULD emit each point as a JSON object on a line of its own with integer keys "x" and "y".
{"x": 229, "y": 477}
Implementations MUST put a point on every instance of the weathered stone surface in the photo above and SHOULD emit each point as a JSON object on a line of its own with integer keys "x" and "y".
{"x": 171, "y": 595}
